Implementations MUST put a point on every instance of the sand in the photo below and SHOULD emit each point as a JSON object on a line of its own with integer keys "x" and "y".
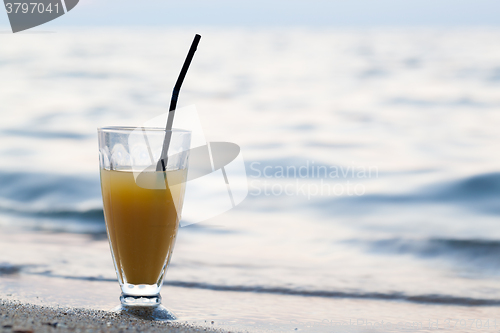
{"x": 19, "y": 317}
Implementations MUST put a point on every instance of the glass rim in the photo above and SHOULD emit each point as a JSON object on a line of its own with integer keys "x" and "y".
{"x": 132, "y": 128}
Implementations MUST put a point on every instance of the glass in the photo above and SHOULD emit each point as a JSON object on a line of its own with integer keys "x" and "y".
{"x": 142, "y": 209}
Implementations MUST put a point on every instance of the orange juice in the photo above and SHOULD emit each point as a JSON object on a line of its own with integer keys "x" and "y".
{"x": 142, "y": 222}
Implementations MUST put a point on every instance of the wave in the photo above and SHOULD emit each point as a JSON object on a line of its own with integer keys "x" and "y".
{"x": 475, "y": 188}
{"x": 51, "y": 188}
{"x": 51, "y": 201}
{"x": 437, "y": 247}
{"x": 430, "y": 299}
{"x": 9, "y": 269}
{"x": 478, "y": 253}
{"x": 75, "y": 213}
{"x": 395, "y": 296}
{"x": 480, "y": 193}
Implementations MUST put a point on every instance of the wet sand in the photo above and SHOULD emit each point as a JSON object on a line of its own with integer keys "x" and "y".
{"x": 26, "y": 318}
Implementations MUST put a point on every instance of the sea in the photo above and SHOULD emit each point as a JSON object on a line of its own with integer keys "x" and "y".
{"x": 372, "y": 163}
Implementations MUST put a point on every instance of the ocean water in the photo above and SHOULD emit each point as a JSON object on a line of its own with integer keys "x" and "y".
{"x": 371, "y": 159}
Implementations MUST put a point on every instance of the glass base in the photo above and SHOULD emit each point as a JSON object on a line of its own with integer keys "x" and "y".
{"x": 140, "y": 300}
{"x": 156, "y": 313}
{"x": 144, "y": 307}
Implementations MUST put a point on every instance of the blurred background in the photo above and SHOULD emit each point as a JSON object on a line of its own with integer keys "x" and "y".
{"x": 390, "y": 109}
{"x": 319, "y": 13}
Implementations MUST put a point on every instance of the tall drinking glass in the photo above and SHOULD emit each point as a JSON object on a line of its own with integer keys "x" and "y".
{"x": 142, "y": 209}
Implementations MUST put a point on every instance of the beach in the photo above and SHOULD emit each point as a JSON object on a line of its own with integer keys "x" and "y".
{"x": 371, "y": 167}
{"x": 19, "y": 318}
{"x": 41, "y": 304}
{"x": 26, "y": 317}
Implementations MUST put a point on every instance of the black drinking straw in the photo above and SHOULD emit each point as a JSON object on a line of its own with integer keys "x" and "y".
{"x": 162, "y": 163}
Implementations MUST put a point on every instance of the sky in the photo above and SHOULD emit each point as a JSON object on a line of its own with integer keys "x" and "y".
{"x": 334, "y": 13}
